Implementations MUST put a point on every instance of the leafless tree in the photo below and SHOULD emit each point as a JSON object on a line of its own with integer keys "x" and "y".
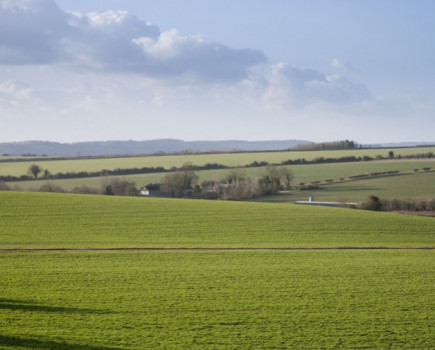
{"x": 275, "y": 178}
{"x": 115, "y": 186}
{"x": 178, "y": 182}
{"x": 235, "y": 175}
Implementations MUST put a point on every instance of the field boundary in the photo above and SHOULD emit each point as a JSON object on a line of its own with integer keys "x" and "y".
{"x": 189, "y": 249}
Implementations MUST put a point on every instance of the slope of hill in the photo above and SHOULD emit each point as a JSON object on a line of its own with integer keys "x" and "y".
{"x": 76, "y": 221}
{"x": 210, "y": 276}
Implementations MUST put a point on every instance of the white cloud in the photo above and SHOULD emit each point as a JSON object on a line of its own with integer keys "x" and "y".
{"x": 339, "y": 65}
{"x": 14, "y": 92}
{"x": 38, "y": 32}
{"x": 284, "y": 85}
{"x": 166, "y": 84}
{"x": 177, "y": 55}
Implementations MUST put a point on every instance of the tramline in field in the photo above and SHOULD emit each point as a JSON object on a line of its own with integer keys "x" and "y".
{"x": 58, "y": 290}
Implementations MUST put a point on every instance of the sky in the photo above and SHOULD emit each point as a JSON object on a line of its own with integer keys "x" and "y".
{"x": 318, "y": 70}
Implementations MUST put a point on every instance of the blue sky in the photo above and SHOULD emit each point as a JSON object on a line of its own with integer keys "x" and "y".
{"x": 75, "y": 70}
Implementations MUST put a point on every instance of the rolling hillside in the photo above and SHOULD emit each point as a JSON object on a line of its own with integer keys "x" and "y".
{"x": 99, "y": 273}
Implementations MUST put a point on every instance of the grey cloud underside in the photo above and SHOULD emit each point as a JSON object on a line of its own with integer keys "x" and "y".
{"x": 38, "y": 32}
{"x": 35, "y": 32}
{"x": 31, "y": 37}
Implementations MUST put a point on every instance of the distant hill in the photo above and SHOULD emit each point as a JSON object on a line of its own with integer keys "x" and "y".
{"x": 399, "y": 144}
{"x": 105, "y": 148}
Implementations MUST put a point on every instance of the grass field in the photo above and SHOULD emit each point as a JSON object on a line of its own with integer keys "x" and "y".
{"x": 302, "y": 173}
{"x": 214, "y": 299}
{"x": 218, "y": 300}
{"x": 410, "y": 186}
{"x": 229, "y": 159}
{"x": 75, "y": 221}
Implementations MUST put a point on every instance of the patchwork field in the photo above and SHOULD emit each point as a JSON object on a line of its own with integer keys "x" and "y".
{"x": 229, "y": 159}
{"x": 205, "y": 298}
{"x": 410, "y": 186}
{"x": 302, "y": 173}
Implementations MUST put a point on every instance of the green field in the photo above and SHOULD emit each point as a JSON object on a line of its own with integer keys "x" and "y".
{"x": 229, "y": 159}
{"x": 76, "y": 221}
{"x": 218, "y": 300}
{"x": 409, "y": 186}
{"x": 213, "y": 299}
{"x": 302, "y": 173}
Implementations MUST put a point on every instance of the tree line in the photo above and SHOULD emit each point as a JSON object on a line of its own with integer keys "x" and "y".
{"x": 35, "y": 171}
{"x": 376, "y": 204}
{"x": 183, "y": 182}
{"x": 333, "y": 145}
{"x": 234, "y": 185}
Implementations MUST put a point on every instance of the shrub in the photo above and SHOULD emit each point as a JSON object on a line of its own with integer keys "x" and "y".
{"x": 118, "y": 187}
{"x": 16, "y": 187}
{"x": 4, "y": 186}
{"x": 243, "y": 189}
{"x": 309, "y": 187}
{"x": 408, "y": 204}
{"x": 420, "y": 205}
{"x": 84, "y": 190}
{"x": 394, "y": 204}
{"x": 208, "y": 183}
{"x": 372, "y": 203}
{"x": 50, "y": 187}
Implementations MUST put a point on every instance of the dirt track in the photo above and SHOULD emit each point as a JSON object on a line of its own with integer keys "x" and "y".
{"x": 188, "y": 249}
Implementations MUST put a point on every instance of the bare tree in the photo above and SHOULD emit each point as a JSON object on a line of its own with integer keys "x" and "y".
{"x": 235, "y": 175}
{"x": 178, "y": 182}
{"x": 115, "y": 186}
{"x": 244, "y": 189}
{"x": 275, "y": 178}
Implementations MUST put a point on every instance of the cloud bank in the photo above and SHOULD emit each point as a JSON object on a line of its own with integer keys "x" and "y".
{"x": 38, "y": 32}
{"x": 34, "y": 32}
{"x": 118, "y": 74}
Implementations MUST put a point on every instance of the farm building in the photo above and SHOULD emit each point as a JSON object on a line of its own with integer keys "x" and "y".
{"x": 152, "y": 190}
{"x": 311, "y": 201}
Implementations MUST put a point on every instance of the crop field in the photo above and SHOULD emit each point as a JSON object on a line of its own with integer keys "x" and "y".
{"x": 229, "y": 159}
{"x": 93, "y": 182}
{"x": 227, "y": 289}
{"x": 410, "y": 186}
{"x": 302, "y": 173}
{"x": 44, "y": 220}
{"x": 218, "y": 300}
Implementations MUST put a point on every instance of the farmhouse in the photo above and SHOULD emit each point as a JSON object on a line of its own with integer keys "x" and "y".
{"x": 152, "y": 190}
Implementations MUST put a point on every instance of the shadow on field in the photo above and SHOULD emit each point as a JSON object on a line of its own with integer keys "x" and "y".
{"x": 46, "y": 344}
{"x": 22, "y": 305}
